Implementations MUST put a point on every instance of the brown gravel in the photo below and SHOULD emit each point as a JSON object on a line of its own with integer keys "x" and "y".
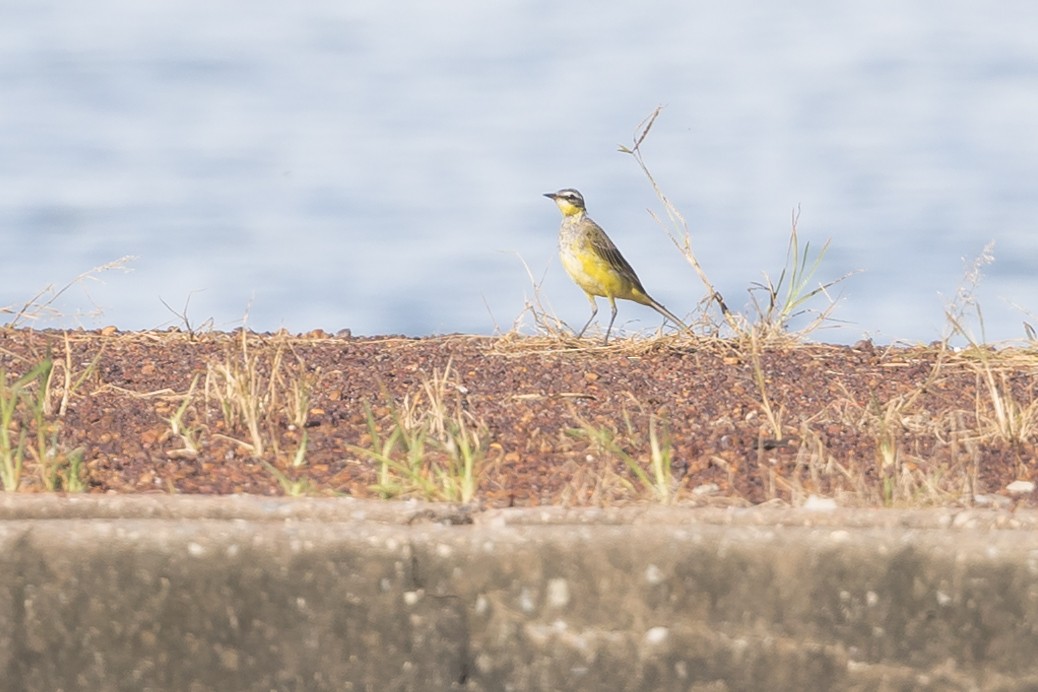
{"x": 865, "y": 425}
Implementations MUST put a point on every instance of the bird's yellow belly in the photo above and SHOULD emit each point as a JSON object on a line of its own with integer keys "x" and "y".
{"x": 592, "y": 273}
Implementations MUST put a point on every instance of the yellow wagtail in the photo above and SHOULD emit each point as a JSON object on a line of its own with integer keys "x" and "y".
{"x": 593, "y": 262}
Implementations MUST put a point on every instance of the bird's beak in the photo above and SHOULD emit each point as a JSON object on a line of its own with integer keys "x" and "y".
{"x": 549, "y": 195}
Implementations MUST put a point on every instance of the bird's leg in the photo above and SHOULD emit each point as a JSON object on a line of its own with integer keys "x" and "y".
{"x": 594, "y": 311}
{"x": 612, "y": 304}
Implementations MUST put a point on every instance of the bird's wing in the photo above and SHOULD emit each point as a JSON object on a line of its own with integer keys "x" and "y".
{"x": 607, "y": 249}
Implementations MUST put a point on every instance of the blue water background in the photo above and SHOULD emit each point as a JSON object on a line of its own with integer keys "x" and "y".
{"x": 379, "y": 166}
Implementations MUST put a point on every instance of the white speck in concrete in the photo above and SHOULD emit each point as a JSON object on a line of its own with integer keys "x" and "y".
{"x": 964, "y": 520}
{"x": 412, "y": 597}
{"x": 444, "y": 550}
{"x": 814, "y": 503}
{"x": 527, "y": 600}
{"x": 482, "y": 604}
{"x": 558, "y": 593}
{"x": 195, "y": 549}
{"x": 840, "y": 536}
{"x": 653, "y": 575}
{"x": 943, "y": 599}
{"x": 657, "y": 635}
{"x": 871, "y": 598}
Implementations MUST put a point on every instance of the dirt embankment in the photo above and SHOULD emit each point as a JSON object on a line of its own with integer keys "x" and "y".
{"x": 515, "y": 421}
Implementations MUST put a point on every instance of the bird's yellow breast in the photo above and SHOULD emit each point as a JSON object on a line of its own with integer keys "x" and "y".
{"x": 588, "y": 268}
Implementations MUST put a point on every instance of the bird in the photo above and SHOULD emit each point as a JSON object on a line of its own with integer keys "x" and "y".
{"x": 595, "y": 264}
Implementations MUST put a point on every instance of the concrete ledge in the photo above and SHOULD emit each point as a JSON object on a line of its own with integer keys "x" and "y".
{"x": 241, "y": 593}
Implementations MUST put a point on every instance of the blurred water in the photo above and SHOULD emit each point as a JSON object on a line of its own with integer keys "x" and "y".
{"x": 379, "y": 166}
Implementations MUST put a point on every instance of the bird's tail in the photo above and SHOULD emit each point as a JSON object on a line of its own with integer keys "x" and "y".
{"x": 670, "y": 316}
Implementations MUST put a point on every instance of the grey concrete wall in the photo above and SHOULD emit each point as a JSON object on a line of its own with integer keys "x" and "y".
{"x": 168, "y": 593}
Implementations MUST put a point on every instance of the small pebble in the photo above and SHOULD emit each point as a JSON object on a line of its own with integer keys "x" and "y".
{"x": 1020, "y": 488}
{"x": 705, "y": 489}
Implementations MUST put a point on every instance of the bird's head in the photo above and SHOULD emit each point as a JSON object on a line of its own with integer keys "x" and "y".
{"x": 570, "y": 201}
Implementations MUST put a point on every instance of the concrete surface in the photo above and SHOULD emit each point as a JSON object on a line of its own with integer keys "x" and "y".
{"x": 237, "y": 593}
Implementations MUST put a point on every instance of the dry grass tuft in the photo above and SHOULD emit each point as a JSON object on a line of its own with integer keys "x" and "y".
{"x": 261, "y": 388}
{"x": 428, "y": 444}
